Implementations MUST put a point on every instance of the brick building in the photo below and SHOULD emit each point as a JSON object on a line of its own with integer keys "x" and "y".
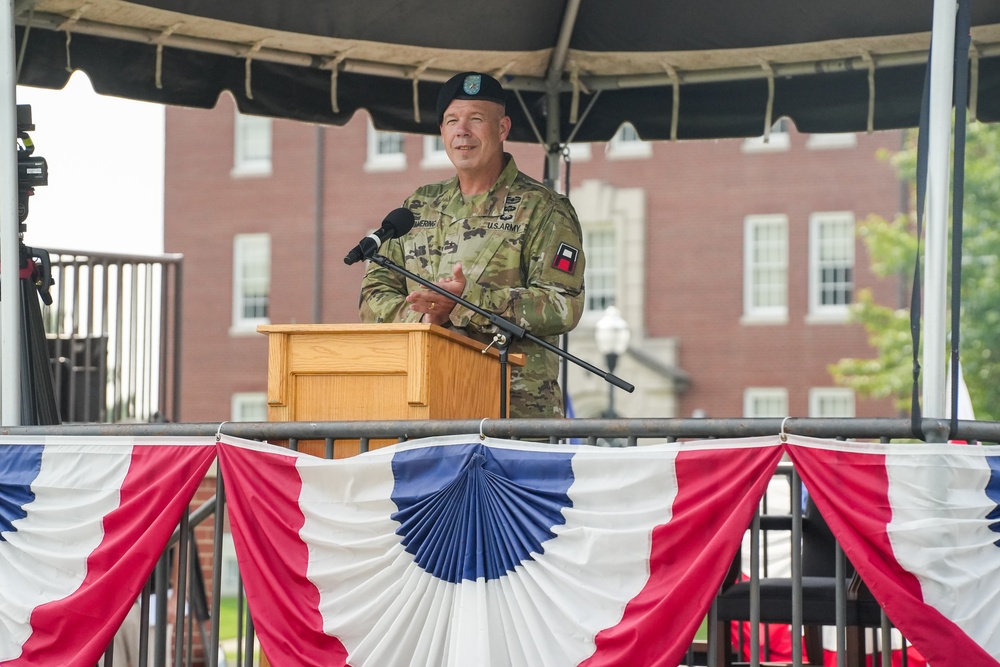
{"x": 733, "y": 261}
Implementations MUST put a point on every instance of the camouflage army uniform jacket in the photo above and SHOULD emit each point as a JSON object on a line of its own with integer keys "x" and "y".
{"x": 520, "y": 249}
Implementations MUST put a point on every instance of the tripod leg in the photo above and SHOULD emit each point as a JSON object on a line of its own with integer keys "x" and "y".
{"x": 38, "y": 401}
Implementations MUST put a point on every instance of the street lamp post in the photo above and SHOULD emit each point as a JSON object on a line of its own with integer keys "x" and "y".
{"x": 611, "y": 335}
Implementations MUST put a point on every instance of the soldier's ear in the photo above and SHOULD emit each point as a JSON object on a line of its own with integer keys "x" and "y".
{"x": 504, "y": 128}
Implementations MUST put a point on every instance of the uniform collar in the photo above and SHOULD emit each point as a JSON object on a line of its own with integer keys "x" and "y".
{"x": 487, "y": 204}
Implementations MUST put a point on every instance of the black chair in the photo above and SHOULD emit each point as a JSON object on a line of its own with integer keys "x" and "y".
{"x": 819, "y": 603}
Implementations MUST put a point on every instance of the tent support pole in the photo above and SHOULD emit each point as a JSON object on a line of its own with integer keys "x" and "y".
{"x": 10, "y": 293}
{"x": 552, "y": 139}
{"x": 318, "y": 202}
{"x": 551, "y": 171}
{"x": 938, "y": 183}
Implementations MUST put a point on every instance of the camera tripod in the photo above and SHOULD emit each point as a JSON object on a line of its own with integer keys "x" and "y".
{"x": 38, "y": 400}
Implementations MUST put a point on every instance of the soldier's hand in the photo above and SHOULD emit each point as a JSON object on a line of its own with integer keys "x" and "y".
{"x": 456, "y": 283}
{"x": 436, "y": 307}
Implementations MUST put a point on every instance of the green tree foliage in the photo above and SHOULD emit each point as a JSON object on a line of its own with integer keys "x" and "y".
{"x": 892, "y": 247}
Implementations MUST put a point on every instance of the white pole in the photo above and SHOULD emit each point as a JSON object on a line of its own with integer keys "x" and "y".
{"x": 938, "y": 184}
{"x": 10, "y": 292}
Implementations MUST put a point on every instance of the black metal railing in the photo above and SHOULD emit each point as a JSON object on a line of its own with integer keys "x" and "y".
{"x": 113, "y": 335}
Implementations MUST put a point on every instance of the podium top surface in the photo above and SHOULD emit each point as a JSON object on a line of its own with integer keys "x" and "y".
{"x": 386, "y": 329}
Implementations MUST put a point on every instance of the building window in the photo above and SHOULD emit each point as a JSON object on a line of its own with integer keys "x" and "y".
{"x": 251, "y": 281}
{"x": 250, "y": 406}
{"x": 831, "y": 402}
{"x": 252, "y": 146}
{"x": 778, "y": 140}
{"x": 385, "y": 150}
{"x": 765, "y": 402}
{"x": 601, "y": 272}
{"x": 831, "y": 264}
{"x": 832, "y": 140}
{"x": 579, "y": 152}
{"x": 434, "y": 153}
{"x": 765, "y": 266}
{"x": 626, "y": 144}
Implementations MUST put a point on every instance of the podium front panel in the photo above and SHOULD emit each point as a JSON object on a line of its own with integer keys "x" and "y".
{"x": 351, "y": 372}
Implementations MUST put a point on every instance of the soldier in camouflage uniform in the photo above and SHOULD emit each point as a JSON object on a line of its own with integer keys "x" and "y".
{"x": 492, "y": 235}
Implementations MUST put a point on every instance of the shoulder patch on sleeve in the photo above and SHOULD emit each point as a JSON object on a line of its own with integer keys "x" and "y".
{"x": 565, "y": 258}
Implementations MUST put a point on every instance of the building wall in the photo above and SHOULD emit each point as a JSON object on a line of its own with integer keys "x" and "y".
{"x": 687, "y": 312}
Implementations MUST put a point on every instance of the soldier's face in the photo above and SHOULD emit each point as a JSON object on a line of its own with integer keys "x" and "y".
{"x": 473, "y": 132}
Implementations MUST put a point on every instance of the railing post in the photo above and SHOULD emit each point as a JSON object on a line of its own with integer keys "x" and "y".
{"x": 840, "y": 572}
{"x": 219, "y": 525}
{"x": 755, "y": 590}
{"x": 162, "y": 576}
{"x": 249, "y": 639}
{"x": 796, "y": 508}
{"x": 717, "y": 639}
{"x": 180, "y": 592}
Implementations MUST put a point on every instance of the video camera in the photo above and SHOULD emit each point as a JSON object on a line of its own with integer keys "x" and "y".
{"x": 32, "y": 170}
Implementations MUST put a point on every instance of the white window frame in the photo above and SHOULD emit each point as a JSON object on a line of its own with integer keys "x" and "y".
{"x": 435, "y": 156}
{"x": 752, "y": 396}
{"x": 602, "y": 267}
{"x": 819, "y": 396}
{"x": 579, "y": 151}
{"x": 818, "y": 222}
{"x": 251, "y": 259}
{"x": 600, "y": 205}
{"x": 778, "y": 140}
{"x": 832, "y": 140}
{"x": 627, "y": 145}
{"x": 252, "y": 146}
{"x": 752, "y": 311}
{"x": 248, "y": 406}
{"x": 381, "y": 161}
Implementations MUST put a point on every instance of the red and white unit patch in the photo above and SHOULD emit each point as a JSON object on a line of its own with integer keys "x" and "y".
{"x": 565, "y": 259}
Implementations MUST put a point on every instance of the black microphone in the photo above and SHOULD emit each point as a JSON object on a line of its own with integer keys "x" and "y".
{"x": 397, "y": 223}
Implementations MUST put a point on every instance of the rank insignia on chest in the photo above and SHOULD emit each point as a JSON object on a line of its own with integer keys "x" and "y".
{"x": 565, "y": 259}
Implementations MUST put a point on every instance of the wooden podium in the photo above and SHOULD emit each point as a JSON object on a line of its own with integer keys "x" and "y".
{"x": 346, "y": 372}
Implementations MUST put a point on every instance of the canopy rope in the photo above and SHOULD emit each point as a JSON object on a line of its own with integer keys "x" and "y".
{"x": 334, "y": 65}
{"x": 675, "y": 109}
{"x": 577, "y": 84}
{"x": 159, "y": 52}
{"x": 249, "y": 59}
{"x": 68, "y": 26}
{"x": 417, "y": 73}
{"x": 867, "y": 57}
{"x": 769, "y": 113}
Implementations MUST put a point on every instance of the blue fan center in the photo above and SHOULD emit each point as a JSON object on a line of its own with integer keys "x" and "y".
{"x": 19, "y": 466}
{"x": 469, "y": 512}
{"x": 993, "y": 493}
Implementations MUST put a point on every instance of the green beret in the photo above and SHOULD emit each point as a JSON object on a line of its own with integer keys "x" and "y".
{"x": 470, "y": 86}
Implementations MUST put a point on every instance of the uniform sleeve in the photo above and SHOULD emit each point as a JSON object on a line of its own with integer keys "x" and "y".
{"x": 545, "y": 294}
{"x": 383, "y": 292}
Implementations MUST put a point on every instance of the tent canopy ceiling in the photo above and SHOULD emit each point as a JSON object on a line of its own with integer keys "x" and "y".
{"x": 672, "y": 68}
